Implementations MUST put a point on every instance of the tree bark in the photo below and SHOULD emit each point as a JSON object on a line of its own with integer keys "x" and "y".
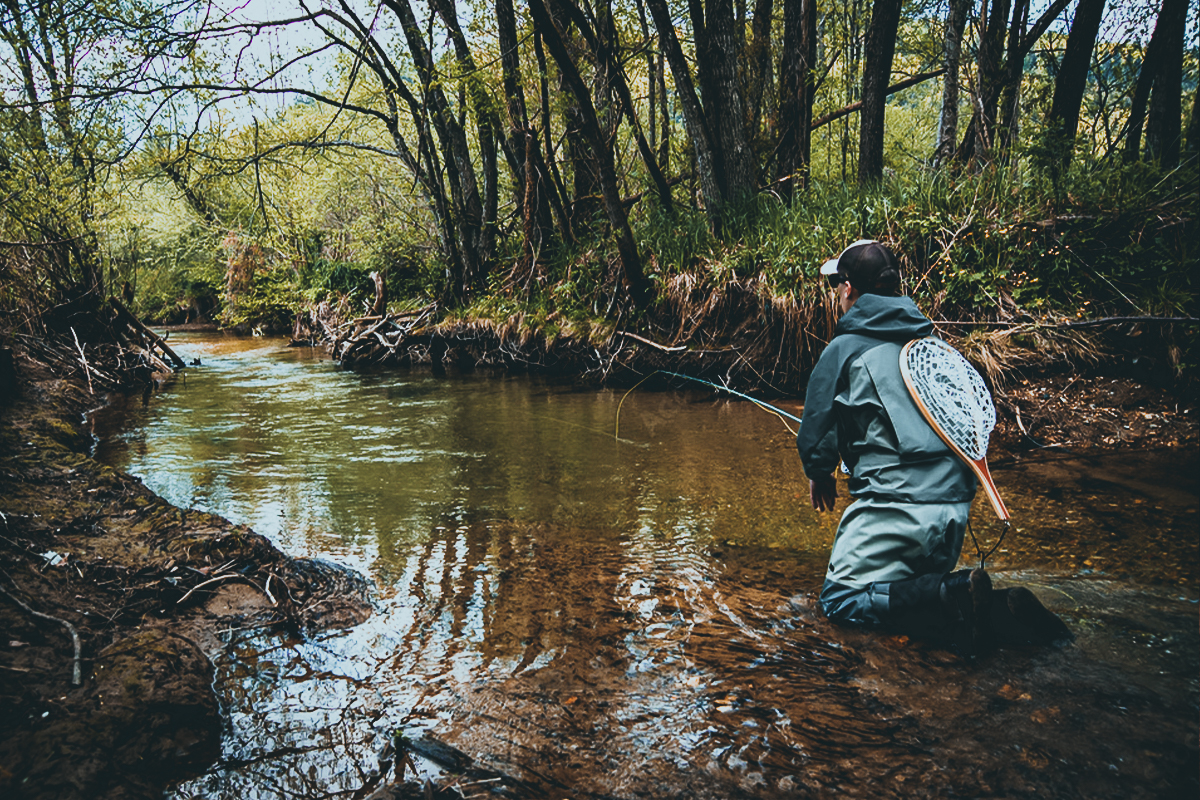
{"x": 1071, "y": 82}
{"x": 947, "y": 137}
{"x": 796, "y": 89}
{"x": 877, "y": 71}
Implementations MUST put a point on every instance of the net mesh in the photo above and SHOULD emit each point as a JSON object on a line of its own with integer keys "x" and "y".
{"x": 953, "y": 392}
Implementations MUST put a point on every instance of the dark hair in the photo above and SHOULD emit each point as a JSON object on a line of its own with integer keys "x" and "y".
{"x": 871, "y": 268}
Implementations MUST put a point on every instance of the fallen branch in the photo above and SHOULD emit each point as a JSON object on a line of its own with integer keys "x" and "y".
{"x": 125, "y": 314}
{"x": 1084, "y": 323}
{"x": 895, "y": 87}
{"x": 218, "y": 579}
{"x": 643, "y": 340}
{"x": 76, "y": 673}
{"x": 83, "y": 359}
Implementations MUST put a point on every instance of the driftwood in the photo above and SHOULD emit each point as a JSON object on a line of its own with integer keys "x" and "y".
{"x": 155, "y": 340}
{"x": 643, "y": 340}
{"x": 376, "y": 337}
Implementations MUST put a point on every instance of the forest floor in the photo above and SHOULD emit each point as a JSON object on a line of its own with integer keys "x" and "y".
{"x": 148, "y": 588}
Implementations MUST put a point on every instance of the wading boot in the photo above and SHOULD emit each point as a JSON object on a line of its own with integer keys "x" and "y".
{"x": 1019, "y": 618}
{"x": 967, "y": 598}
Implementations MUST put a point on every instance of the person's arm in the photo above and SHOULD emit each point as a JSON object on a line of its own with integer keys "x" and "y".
{"x": 817, "y": 440}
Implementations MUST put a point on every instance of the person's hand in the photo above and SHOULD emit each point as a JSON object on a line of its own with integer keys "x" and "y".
{"x": 823, "y": 492}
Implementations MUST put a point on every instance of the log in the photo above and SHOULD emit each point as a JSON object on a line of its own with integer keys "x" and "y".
{"x": 124, "y": 314}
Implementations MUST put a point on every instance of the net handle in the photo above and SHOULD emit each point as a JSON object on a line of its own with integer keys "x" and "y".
{"x": 979, "y": 465}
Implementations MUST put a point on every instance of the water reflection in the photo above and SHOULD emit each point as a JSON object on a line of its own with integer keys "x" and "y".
{"x": 633, "y": 617}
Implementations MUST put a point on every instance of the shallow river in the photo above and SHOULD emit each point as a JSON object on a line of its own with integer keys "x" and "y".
{"x": 611, "y": 595}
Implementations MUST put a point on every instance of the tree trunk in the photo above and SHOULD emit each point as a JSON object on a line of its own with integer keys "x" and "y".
{"x": 796, "y": 90}
{"x": 877, "y": 71}
{"x": 1166, "y": 99}
{"x": 956, "y": 23}
{"x": 995, "y": 73}
{"x": 707, "y": 163}
{"x": 1014, "y": 70}
{"x": 603, "y": 50}
{"x": 460, "y": 170}
{"x": 1071, "y": 82}
{"x": 718, "y": 50}
{"x": 535, "y": 195}
{"x": 1170, "y": 15}
{"x": 981, "y": 131}
{"x": 556, "y": 185}
{"x": 487, "y": 124}
{"x": 631, "y": 265}
{"x": 758, "y": 61}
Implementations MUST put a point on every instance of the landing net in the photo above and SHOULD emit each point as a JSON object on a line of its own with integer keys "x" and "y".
{"x": 953, "y": 393}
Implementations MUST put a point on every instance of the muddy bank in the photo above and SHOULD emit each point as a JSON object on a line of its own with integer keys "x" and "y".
{"x": 90, "y": 555}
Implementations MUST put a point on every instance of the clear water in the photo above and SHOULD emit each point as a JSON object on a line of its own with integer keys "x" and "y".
{"x": 610, "y": 594}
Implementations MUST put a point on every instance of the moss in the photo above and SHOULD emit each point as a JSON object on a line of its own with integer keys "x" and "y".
{"x": 67, "y": 435}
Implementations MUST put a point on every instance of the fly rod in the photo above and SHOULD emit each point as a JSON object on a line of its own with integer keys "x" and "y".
{"x": 722, "y": 388}
{"x": 765, "y": 406}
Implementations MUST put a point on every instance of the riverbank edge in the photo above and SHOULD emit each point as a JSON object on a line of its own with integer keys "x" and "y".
{"x": 113, "y": 602}
{"x": 1093, "y": 395}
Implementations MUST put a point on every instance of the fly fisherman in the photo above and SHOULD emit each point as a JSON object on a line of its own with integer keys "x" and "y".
{"x": 896, "y": 546}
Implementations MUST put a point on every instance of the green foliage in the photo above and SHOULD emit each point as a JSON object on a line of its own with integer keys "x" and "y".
{"x": 979, "y": 242}
{"x": 674, "y": 243}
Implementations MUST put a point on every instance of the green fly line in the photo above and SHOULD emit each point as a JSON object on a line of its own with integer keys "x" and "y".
{"x": 779, "y": 412}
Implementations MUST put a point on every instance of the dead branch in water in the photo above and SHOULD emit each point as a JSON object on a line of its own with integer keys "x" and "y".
{"x": 376, "y": 338}
{"x": 156, "y": 341}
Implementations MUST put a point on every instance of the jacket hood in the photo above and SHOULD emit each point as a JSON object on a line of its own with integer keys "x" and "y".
{"x": 893, "y": 319}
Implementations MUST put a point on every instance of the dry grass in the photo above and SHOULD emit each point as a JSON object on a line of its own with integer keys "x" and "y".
{"x": 998, "y": 354}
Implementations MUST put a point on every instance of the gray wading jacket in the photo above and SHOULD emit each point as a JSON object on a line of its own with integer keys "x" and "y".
{"x": 857, "y": 409}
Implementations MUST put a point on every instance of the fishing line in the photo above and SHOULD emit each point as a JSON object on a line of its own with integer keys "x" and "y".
{"x": 723, "y": 388}
{"x": 779, "y": 412}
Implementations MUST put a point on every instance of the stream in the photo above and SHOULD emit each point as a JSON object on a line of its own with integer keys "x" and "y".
{"x": 611, "y": 594}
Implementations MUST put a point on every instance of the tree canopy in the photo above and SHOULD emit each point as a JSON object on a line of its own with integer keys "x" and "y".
{"x": 579, "y": 152}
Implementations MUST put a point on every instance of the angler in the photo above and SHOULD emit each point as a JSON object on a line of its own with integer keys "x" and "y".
{"x": 897, "y": 545}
